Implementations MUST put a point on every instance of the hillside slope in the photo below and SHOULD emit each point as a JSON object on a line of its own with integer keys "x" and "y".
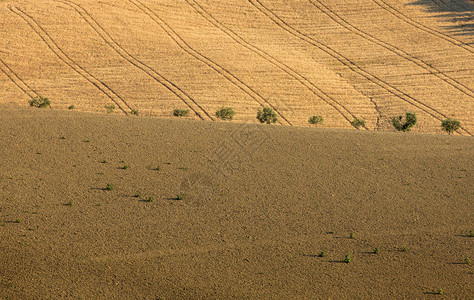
{"x": 339, "y": 59}
{"x": 259, "y": 203}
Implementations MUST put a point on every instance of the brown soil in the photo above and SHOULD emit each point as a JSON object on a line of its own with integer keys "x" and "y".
{"x": 371, "y": 59}
{"x": 259, "y": 204}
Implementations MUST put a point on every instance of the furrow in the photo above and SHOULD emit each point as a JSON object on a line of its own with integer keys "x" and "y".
{"x": 53, "y": 46}
{"x": 194, "y": 53}
{"x": 384, "y": 5}
{"x": 17, "y": 80}
{"x": 432, "y": 70}
{"x": 341, "y": 109}
{"x": 173, "y": 88}
{"x": 351, "y": 65}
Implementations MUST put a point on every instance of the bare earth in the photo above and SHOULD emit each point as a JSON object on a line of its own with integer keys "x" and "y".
{"x": 259, "y": 204}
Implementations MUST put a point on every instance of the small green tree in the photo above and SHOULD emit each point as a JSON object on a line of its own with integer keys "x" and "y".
{"x": 181, "y": 112}
{"x": 267, "y": 115}
{"x": 225, "y": 113}
{"x": 450, "y": 125}
{"x": 358, "y": 123}
{"x": 404, "y": 125}
{"x": 315, "y": 120}
{"x": 39, "y": 102}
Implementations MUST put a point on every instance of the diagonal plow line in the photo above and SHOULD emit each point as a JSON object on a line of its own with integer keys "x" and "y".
{"x": 384, "y": 5}
{"x": 194, "y": 53}
{"x": 432, "y": 70}
{"x": 341, "y": 109}
{"x": 173, "y": 88}
{"x": 53, "y": 46}
{"x": 350, "y": 64}
{"x": 21, "y": 84}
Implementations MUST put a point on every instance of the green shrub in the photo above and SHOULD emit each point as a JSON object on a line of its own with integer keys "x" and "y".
{"x": 347, "y": 259}
{"x": 40, "y": 102}
{"x": 134, "y": 112}
{"x": 450, "y": 125}
{"x": 225, "y": 113}
{"x": 267, "y": 115}
{"x": 322, "y": 253}
{"x": 471, "y": 233}
{"x": 351, "y": 235}
{"x": 467, "y": 261}
{"x": 71, "y": 106}
{"x": 376, "y": 251}
{"x": 179, "y": 197}
{"x": 110, "y": 108}
{"x": 109, "y": 187}
{"x": 315, "y": 120}
{"x": 181, "y": 112}
{"x": 404, "y": 125}
{"x": 358, "y": 123}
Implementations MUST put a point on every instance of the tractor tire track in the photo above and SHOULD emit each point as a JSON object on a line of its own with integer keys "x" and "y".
{"x": 350, "y": 64}
{"x": 422, "y": 27}
{"x": 68, "y": 61}
{"x": 25, "y": 88}
{"x": 432, "y": 70}
{"x": 191, "y": 51}
{"x": 173, "y": 88}
{"x": 341, "y": 109}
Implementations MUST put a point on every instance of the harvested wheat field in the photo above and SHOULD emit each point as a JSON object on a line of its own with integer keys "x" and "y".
{"x": 106, "y": 195}
{"x": 340, "y": 59}
{"x": 110, "y": 207}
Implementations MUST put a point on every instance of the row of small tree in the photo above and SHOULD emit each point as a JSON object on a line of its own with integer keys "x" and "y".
{"x": 267, "y": 115}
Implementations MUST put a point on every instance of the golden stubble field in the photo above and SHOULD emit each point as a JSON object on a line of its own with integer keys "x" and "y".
{"x": 372, "y": 59}
{"x": 259, "y": 203}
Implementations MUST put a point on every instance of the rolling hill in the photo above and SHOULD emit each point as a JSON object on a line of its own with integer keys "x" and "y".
{"x": 372, "y": 59}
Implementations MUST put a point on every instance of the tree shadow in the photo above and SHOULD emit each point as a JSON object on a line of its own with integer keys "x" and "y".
{"x": 459, "y": 14}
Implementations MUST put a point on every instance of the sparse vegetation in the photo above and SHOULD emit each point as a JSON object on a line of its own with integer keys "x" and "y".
{"x": 138, "y": 194}
{"x": 267, "y": 115}
{"x": 179, "y": 197}
{"x": 347, "y": 259}
{"x": 69, "y": 203}
{"x": 450, "y": 125}
{"x": 404, "y": 249}
{"x": 181, "y": 112}
{"x": 315, "y": 120}
{"x": 124, "y": 167}
{"x": 322, "y": 253}
{"x": 471, "y": 233}
{"x": 39, "y": 102}
{"x": 109, "y": 187}
{"x": 225, "y": 113}
{"x": 110, "y": 108}
{"x": 440, "y": 292}
{"x": 351, "y": 235}
{"x": 358, "y": 123}
{"x": 134, "y": 112}
{"x": 71, "y": 106}
{"x": 467, "y": 261}
{"x": 377, "y": 251}
{"x": 149, "y": 199}
{"x": 404, "y": 125}
{"x": 17, "y": 221}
